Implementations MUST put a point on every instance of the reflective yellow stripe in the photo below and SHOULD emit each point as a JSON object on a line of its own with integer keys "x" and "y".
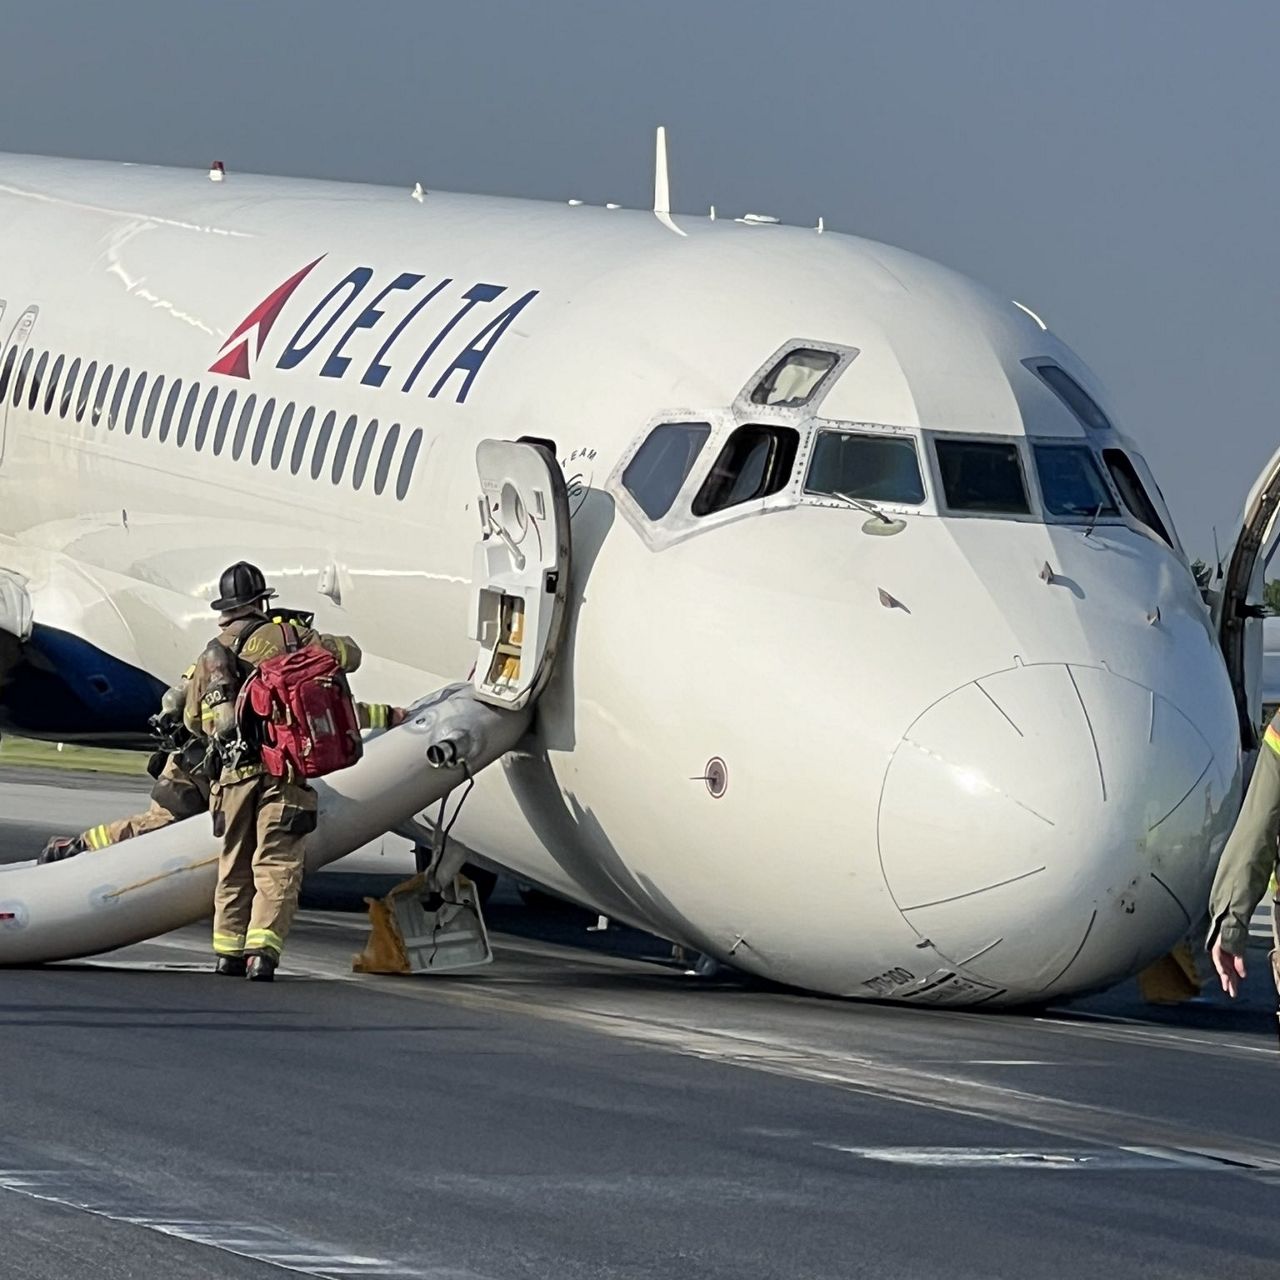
{"x": 1272, "y": 738}
{"x": 379, "y": 714}
{"x": 98, "y": 837}
{"x": 265, "y": 940}
{"x": 342, "y": 654}
{"x": 228, "y": 944}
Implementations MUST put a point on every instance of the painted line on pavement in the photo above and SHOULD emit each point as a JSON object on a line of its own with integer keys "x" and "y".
{"x": 102, "y": 1194}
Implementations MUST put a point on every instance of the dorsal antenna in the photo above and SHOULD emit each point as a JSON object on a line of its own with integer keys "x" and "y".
{"x": 662, "y": 183}
{"x": 661, "y": 180}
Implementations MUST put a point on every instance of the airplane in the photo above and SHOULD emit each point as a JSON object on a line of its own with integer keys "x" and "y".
{"x": 884, "y": 673}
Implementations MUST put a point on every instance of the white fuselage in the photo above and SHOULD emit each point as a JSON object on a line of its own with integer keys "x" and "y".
{"x": 986, "y": 756}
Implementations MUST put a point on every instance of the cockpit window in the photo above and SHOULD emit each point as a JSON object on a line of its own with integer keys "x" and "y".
{"x": 982, "y": 476}
{"x": 654, "y": 475}
{"x": 1133, "y": 492}
{"x": 1074, "y": 396}
{"x": 875, "y": 468}
{"x": 1071, "y": 482}
{"x": 755, "y": 462}
{"x": 794, "y": 379}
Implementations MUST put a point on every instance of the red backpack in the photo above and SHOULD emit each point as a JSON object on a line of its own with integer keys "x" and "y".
{"x": 306, "y": 711}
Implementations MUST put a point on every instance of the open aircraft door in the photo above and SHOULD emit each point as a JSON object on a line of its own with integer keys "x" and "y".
{"x": 1237, "y": 609}
{"x": 432, "y": 922}
{"x": 520, "y": 570}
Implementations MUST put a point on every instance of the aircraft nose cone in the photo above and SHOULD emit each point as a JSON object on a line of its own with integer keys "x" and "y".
{"x": 1048, "y": 828}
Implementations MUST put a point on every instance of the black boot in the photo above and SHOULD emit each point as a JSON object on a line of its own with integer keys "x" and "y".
{"x": 230, "y": 966}
{"x": 59, "y": 847}
{"x": 262, "y": 968}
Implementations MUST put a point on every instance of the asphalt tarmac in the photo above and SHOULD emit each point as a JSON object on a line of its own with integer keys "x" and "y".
{"x": 581, "y": 1108}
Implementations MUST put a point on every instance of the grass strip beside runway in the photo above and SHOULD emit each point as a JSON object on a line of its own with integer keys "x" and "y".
{"x": 31, "y": 754}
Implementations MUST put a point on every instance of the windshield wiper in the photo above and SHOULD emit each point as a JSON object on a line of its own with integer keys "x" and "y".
{"x": 862, "y": 505}
{"x": 1093, "y": 520}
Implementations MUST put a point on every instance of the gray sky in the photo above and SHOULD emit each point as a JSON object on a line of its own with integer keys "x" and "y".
{"x": 1112, "y": 165}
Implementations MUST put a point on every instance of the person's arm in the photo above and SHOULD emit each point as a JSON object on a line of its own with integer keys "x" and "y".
{"x": 1246, "y": 866}
{"x": 379, "y": 715}
{"x": 344, "y": 648}
{"x": 192, "y": 708}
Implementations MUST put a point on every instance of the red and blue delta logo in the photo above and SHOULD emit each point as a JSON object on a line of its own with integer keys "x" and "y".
{"x": 409, "y": 331}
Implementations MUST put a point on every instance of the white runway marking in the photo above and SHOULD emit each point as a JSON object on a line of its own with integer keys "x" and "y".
{"x": 1003, "y": 1158}
{"x": 1141, "y": 1032}
{"x": 987, "y": 1157}
{"x": 102, "y": 1195}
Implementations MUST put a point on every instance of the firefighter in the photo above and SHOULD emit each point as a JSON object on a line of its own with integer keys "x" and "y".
{"x": 1247, "y": 868}
{"x": 262, "y": 820}
{"x": 181, "y": 769}
{"x": 181, "y": 787}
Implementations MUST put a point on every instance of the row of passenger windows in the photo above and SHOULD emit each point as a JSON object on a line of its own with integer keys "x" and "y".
{"x": 979, "y": 477}
{"x": 215, "y": 418}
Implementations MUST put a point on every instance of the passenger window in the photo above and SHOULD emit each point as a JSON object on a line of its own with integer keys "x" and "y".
{"x": 86, "y": 390}
{"x": 206, "y": 419}
{"x": 264, "y": 427}
{"x": 300, "y": 441}
{"x": 135, "y": 402}
{"x": 153, "y": 405}
{"x": 656, "y": 473}
{"x": 1071, "y": 482}
{"x": 6, "y": 373}
{"x": 407, "y": 465}
{"x": 1133, "y": 492}
{"x": 344, "y": 448}
{"x": 1074, "y": 396}
{"x": 170, "y": 409}
{"x": 20, "y": 381}
{"x": 242, "y": 428}
{"x": 224, "y": 423}
{"x": 282, "y": 436}
{"x": 37, "y": 381}
{"x": 793, "y": 380}
{"x": 322, "y": 444}
{"x": 874, "y": 468}
{"x": 755, "y": 462}
{"x": 117, "y": 400}
{"x": 51, "y": 390}
{"x": 366, "y": 452}
{"x": 983, "y": 476}
{"x": 383, "y": 472}
{"x": 69, "y": 388}
{"x": 104, "y": 389}
{"x": 188, "y": 412}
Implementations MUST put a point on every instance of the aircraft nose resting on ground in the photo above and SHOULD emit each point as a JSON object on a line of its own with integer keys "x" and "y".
{"x": 1072, "y": 816}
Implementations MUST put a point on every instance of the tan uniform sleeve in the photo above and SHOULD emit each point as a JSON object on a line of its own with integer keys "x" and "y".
{"x": 191, "y": 710}
{"x": 373, "y": 715}
{"x": 344, "y": 648}
{"x": 1250, "y": 856}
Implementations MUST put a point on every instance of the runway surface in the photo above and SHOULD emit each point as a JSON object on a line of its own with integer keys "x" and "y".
{"x": 594, "y": 1113}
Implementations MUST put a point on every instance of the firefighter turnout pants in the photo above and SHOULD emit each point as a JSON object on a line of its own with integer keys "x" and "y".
{"x": 109, "y": 833}
{"x": 263, "y": 823}
{"x": 177, "y": 795}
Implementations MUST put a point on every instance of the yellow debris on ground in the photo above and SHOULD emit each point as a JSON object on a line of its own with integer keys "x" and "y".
{"x": 1172, "y": 979}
